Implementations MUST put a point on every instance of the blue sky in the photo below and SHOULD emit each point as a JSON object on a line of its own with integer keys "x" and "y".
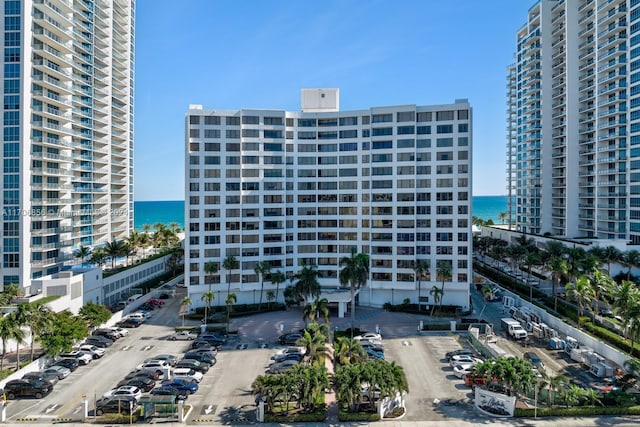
{"x": 259, "y": 54}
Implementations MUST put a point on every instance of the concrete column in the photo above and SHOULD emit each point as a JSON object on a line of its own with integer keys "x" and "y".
{"x": 3, "y": 411}
{"x": 85, "y": 408}
{"x": 260, "y": 411}
{"x": 341, "y": 309}
{"x": 181, "y": 411}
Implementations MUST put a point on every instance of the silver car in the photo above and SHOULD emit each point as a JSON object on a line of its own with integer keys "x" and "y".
{"x": 58, "y": 371}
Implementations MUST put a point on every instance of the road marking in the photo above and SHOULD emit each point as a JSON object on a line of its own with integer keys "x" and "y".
{"x": 207, "y": 410}
{"x": 78, "y": 409}
{"x": 407, "y": 343}
{"x": 51, "y": 408}
{"x": 146, "y": 348}
{"x": 242, "y": 346}
{"x": 126, "y": 348}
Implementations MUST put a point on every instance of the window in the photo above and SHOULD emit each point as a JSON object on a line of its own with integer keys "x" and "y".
{"x": 406, "y": 130}
{"x": 382, "y": 131}
{"x": 328, "y": 122}
{"x": 212, "y": 120}
{"x": 463, "y": 127}
{"x": 275, "y": 134}
{"x": 424, "y": 117}
{"x": 444, "y": 129}
{"x": 194, "y": 120}
{"x": 250, "y": 120}
{"x": 232, "y": 121}
{"x": 274, "y": 121}
{"x": 379, "y": 145}
{"x": 352, "y": 133}
{"x": 306, "y": 122}
{"x": 348, "y": 121}
{"x": 250, "y": 133}
{"x": 463, "y": 114}
{"x": 405, "y": 116}
{"x": 444, "y": 115}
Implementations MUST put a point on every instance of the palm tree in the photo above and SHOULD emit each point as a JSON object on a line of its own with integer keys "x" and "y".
{"x": 308, "y": 313}
{"x": 583, "y": 293}
{"x": 436, "y": 293}
{"x": 277, "y": 278}
{"x": 184, "y": 307}
{"x": 39, "y": 321}
{"x": 421, "y": 268}
{"x": 443, "y": 272}
{"x": 348, "y": 351}
{"x": 210, "y": 268}
{"x": 113, "y": 250}
{"x": 315, "y": 310}
{"x": 610, "y": 254}
{"x": 20, "y": 317}
{"x": 98, "y": 257}
{"x": 207, "y": 297}
{"x": 559, "y": 268}
{"x": 355, "y": 272}
{"x": 261, "y": 269}
{"x": 307, "y": 285}
{"x": 271, "y": 295}
{"x": 231, "y": 299}
{"x": 82, "y": 253}
{"x": 230, "y": 263}
{"x": 602, "y": 284}
{"x": 315, "y": 345}
{"x": 9, "y": 330}
{"x": 503, "y": 216}
{"x": 631, "y": 259}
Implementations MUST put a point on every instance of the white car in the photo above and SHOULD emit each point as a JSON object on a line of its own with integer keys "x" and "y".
{"x": 289, "y": 350}
{"x": 369, "y": 336}
{"x": 82, "y": 357}
{"x": 463, "y": 369}
{"x": 95, "y": 352}
{"x": 122, "y": 332}
{"x": 463, "y": 359}
{"x": 127, "y": 390}
{"x": 188, "y": 374}
{"x": 183, "y": 335}
{"x": 158, "y": 366}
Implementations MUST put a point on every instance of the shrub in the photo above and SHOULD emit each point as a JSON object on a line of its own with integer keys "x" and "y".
{"x": 317, "y": 416}
{"x": 345, "y": 415}
{"x": 578, "y": 411}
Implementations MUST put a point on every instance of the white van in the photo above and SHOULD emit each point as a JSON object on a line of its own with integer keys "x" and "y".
{"x": 132, "y": 298}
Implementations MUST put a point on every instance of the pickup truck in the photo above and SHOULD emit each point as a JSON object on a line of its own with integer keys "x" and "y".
{"x": 513, "y": 328}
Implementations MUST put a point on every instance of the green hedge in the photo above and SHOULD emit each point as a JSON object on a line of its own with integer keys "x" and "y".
{"x": 345, "y": 415}
{"x": 578, "y": 411}
{"x": 317, "y": 416}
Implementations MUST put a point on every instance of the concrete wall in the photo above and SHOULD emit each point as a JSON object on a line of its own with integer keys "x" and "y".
{"x": 118, "y": 286}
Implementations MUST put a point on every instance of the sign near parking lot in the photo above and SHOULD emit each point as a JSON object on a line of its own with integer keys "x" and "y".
{"x": 495, "y": 404}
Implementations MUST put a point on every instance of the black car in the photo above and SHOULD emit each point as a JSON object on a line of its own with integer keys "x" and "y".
{"x": 107, "y": 333}
{"x": 213, "y": 339}
{"x": 37, "y": 377}
{"x": 169, "y": 391}
{"x": 130, "y": 323}
{"x": 144, "y": 384}
{"x": 200, "y": 344}
{"x": 164, "y": 296}
{"x": 143, "y": 374}
{"x": 71, "y": 364}
{"x": 19, "y": 388}
{"x": 459, "y": 352}
{"x": 199, "y": 357}
{"x": 101, "y": 342}
{"x": 194, "y": 364}
{"x": 116, "y": 405}
{"x": 290, "y": 338}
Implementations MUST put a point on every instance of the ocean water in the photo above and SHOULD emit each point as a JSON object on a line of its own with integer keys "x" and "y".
{"x": 168, "y": 211}
{"x": 163, "y": 211}
{"x": 489, "y": 207}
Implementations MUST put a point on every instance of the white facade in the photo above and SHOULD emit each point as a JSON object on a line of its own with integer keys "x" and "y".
{"x": 295, "y": 188}
{"x": 574, "y": 120}
{"x": 68, "y": 131}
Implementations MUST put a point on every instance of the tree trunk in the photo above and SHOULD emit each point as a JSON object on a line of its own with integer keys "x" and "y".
{"x": 419, "y": 305}
{"x": 261, "y": 292}
{"x": 353, "y": 307}
{"x": 32, "y": 344}
{"x": 277, "y": 290}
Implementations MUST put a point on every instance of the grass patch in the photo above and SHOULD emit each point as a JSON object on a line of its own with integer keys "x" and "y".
{"x": 578, "y": 411}
{"x": 318, "y": 415}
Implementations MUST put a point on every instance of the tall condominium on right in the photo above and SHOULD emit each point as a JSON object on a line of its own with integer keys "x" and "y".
{"x": 573, "y": 143}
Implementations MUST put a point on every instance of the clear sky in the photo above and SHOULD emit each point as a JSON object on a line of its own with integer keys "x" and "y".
{"x": 259, "y": 54}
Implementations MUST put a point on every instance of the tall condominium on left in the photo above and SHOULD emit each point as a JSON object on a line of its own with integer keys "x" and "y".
{"x": 67, "y": 126}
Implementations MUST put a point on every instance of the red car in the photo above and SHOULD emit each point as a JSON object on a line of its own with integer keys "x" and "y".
{"x": 155, "y": 301}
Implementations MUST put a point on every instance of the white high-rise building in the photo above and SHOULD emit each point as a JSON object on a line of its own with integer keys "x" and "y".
{"x": 574, "y": 120}
{"x": 67, "y": 123}
{"x": 304, "y": 188}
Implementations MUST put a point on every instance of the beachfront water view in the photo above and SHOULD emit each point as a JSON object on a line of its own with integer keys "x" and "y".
{"x": 168, "y": 211}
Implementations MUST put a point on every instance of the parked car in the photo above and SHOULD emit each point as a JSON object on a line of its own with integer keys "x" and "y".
{"x": 59, "y": 371}
{"x": 209, "y": 351}
{"x": 95, "y": 352}
{"x": 169, "y": 391}
{"x": 373, "y": 346}
{"x": 201, "y": 344}
{"x": 282, "y": 367}
{"x": 169, "y": 358}
{"x": 287, "y": 356}
{"x": 99, "y": 341}
{"x": 369, "y": 336}
{"x": 290, "y": 338}
{"x": 132, "y": 391}
{"x": 38, "y": 376}
{"x": 181, "y": 384}
{"x": 130, "y": 323}
{"x": 213, "y": 339}
{"x": 459, "y": 352}
{"x": 471, "y": 380}
{"x": 121, "y": 332}
{"x": 460, "y": 359}
{"x": 155, "y": 301}
{"x": 183, "y": 335}
{"x": 117, "y": 306}
{"x": 116, "y": 405}
{"x": 534, "y": 359}
{"x": 288, "y": 350}
{"x": 71, "y": 364}
{"x": 152, "y": 375}
{"x": 158, "y": 366}
{"x": 463, "y": 369}
{"x": 199, "y": 357}
{"x": 107, "y": 333}
{"x": 194, "y": 364}
{"x": 372, "y": 354}
{"x": 82, "y": 357}
{"x": 188, "y": 373}
{"x": 20, "y": 388}
{"x": 144, "y": 384}
{"x": 164, "y": 296}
